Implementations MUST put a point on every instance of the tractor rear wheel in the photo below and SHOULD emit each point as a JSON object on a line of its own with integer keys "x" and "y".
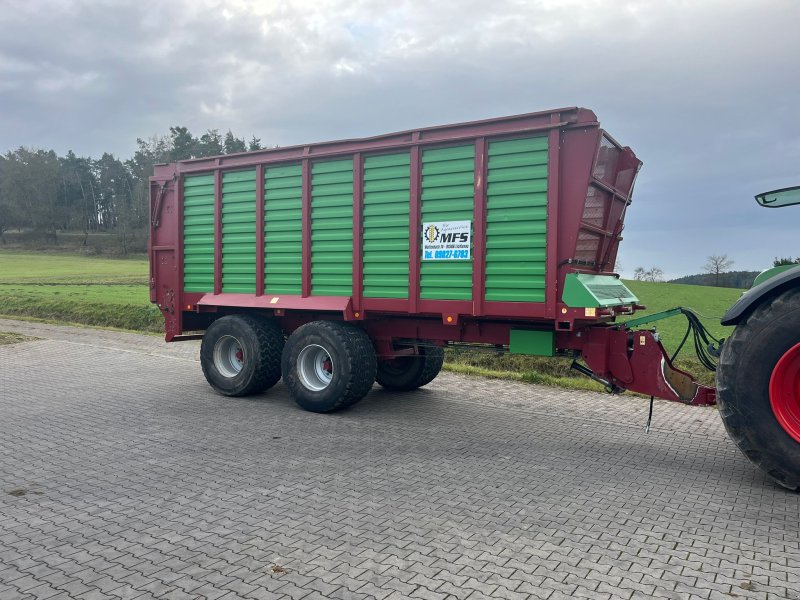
{"x": 328, "y": 365}
{"x": 411, "y": 372}
{"x": 241, "y": 355}
{"x": 758, "y": 387}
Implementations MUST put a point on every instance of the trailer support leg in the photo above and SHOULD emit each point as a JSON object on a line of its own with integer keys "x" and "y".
{"x": 610, "y": 387}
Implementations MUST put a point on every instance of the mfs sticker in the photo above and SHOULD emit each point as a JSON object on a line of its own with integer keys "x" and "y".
{"x": 446, "y": 240}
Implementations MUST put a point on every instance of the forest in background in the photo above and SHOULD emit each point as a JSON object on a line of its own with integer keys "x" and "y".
{"x": 44, "y": 196}
{"x": 732, "y": 279}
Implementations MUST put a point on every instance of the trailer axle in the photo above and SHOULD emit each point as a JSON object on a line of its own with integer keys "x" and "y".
{"x": 636, "y": 361}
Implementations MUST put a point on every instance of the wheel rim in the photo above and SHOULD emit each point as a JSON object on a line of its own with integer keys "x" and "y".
{"x": 784, "y": 392}
{"x": 315, "y": 367}
{"x": 228, "y": 356}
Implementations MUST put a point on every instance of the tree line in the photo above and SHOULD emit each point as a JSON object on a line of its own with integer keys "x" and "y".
{"x": 47, "y": 194}
{"x": 716, "y": 272}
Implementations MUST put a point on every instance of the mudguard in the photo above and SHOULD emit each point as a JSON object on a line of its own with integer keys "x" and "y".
{"x": 752, "y": 297}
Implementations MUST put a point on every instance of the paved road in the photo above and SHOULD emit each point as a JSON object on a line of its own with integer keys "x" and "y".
{"x": 122, "y": 475}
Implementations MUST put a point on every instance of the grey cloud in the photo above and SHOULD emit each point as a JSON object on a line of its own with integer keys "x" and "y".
{"x": 704, "y": 92}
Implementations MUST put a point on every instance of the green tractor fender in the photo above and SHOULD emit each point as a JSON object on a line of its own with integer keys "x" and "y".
{"x": 773, "y": 281}
{"x": 773, "y": 286}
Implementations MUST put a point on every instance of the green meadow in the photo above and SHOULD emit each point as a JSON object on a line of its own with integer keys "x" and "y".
{"x": 85, "y": 290}
{"x": 109, "y": 292}
{"x": 710, "y": 303}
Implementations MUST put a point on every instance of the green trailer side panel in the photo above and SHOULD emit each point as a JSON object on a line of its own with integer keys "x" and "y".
{"x": 386, "y": 214}
{"x": 239, "y": 232}
{"x": 283, "y": 230}
{"x": 198, "y": 233}
{"x": 535, "y": 343}
{"x": 448, "y": 188}
{"x": 332, "y": 228}
{"x": 516, "y": 219}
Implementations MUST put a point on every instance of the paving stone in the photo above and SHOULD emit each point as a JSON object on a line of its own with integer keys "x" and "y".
{"x": 126, "y": 592}
{"x": 425, "y": 594}
{"x": 43, "y": 591}
{"x": 153, "y": 486}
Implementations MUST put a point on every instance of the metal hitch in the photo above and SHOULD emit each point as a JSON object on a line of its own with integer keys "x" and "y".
{"x": 636, "y": 361}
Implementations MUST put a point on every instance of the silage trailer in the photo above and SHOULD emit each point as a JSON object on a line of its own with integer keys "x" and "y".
{"x": 338, "y": 264}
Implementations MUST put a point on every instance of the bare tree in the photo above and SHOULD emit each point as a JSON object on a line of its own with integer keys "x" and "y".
{"x": 717, "y": 265}
{"x": 655, "y": 274}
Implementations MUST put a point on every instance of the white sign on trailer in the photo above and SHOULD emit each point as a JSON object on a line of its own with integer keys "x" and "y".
{"x": 446, "y": 240}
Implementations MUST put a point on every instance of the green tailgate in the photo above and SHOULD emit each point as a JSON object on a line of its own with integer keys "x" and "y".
{"x": 516, "y": 220}
{"x": 239, "y": 232}
{"x": 198, "y": 233}
{"x": 283, "y": 230}
{"x": 595, "y": 291}
{"x": 448, "y": 191}
{"x": 386, "y": 217}
{"x": 332, "y": 228}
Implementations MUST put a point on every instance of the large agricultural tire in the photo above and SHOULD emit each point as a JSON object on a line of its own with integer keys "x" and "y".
{"x": 406, "y": 373}
{"x": 241, "y": 355}
{"x": 758, "y": 387}
{"x": 328, "y": 366}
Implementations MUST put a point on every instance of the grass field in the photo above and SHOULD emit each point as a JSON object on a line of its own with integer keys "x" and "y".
{"x": 77, "y": 289}
{"x": 114, "y": 293}
{"x": 710, "y": 303}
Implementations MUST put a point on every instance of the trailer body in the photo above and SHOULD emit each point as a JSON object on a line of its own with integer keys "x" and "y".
{"x": 339, "y": 226}
{"x": 502, "y": 232}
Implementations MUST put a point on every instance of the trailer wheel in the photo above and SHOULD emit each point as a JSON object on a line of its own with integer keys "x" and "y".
{"x": 758, "y": 387}
{"x": 241, "y": 355}
{"x": 328, "y": 366}
{"x": 411, "y": 372}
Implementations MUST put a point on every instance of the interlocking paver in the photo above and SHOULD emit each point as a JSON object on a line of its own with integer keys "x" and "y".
{"x": 425, "y": 594}
{"x": 43, "y": 591}
{"x": 144, "y": 483}
{"x": 126, "y": 592}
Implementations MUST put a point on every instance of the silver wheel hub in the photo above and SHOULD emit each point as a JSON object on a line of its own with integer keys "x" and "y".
{"x": 315, "y": 367}
{"x": 228, "y": 356}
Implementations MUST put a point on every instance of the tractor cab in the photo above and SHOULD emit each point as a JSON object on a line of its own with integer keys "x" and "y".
{"x": 777, "y": 199}
{"x": 780, "y": 198}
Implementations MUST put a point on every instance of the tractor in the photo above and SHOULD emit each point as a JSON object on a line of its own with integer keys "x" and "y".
{"x": 758, "y": 378}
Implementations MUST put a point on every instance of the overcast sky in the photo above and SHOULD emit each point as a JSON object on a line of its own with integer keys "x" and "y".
{"x": 706, "y": 92}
